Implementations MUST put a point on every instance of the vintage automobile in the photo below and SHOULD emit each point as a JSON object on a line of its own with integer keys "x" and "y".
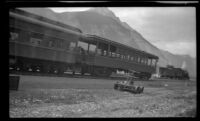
{"x": 128, "y": 86}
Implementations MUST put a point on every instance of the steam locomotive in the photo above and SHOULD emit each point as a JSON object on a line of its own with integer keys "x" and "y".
{"x": 38, "y": 44}
{"x": 173, "y": 73}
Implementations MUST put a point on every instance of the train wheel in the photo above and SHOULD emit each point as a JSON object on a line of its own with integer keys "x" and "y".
{"x": 37, "y": 69}
{"x": 102, "y": 72}
{"x": 45, "y": 68}
{"x": 18, "y": 66}
{"x": 52, "y": 69}
{"x": 26, "y": 67}
{"x": 60, "y": 70}
{"x": 83, "y": 70}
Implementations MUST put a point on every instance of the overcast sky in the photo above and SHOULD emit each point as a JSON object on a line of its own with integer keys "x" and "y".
{"x": 168, "y": 28}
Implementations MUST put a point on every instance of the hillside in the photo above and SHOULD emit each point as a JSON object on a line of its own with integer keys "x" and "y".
{"x": 104, "y": 23}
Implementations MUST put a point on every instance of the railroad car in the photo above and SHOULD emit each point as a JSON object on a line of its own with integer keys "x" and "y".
{"x": 173, "y": 73}
{"x": 42, "y": 45}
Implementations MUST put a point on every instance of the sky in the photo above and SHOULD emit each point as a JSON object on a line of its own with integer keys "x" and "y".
{"x": 169, "y": 28}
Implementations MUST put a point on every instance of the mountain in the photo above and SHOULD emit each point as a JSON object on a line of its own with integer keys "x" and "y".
{"x": 103, "y": 22}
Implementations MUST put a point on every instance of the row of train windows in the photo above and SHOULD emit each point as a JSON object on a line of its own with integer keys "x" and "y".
{"x": 39, "y": 39}
{"x": 127, "y": 57}
{"x": 100, "y": 50}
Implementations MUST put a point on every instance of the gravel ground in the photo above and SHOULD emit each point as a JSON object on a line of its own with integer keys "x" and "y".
{"x": 178, "y": 99}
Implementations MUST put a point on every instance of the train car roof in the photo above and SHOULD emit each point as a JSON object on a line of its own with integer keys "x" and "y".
{"x": 34, "y": 16}
{"x": 44, "y": 19}
{"x": 124, "y": 46}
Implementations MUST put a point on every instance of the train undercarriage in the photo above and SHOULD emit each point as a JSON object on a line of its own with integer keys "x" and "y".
{"x": 21, "y": 64}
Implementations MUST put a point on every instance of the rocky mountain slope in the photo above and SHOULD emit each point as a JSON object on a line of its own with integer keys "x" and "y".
{"x": 104, "y": 23}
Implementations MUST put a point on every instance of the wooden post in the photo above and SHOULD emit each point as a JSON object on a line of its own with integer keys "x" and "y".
{"x": 97, "y": 46}
{"x": 109, "y": 50}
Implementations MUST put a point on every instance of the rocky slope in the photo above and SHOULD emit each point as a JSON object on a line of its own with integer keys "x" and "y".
{"x": 104, "y": 23}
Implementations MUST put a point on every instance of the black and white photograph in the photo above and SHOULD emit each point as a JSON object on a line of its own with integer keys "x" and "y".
{"x": 104, "y": 62}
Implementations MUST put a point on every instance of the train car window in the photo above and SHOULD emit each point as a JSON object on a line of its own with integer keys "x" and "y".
{"x": 144, "y": 61}
{"x": 128, "y": 57}
{"x": 138, "y": 59}
{"x": 72, "y": 45}
{"x": 92, "y": 48}
{"x": 135, "y": 58}
{"x": 14, "y": 34}
{"x": 148, "y": 61}
{"x": 35, "y": 41}
{"x": 141, "y": 60}
{"x": 104, "y": 49}
{"x": 59, "y": 43}
{"x": 131, "y": 58}
{"x": 99, "y": 51}
{"x": 51, "y": 43}
{"x": 66, "y": 45}
{"x": 45, "y": 41}
{"x": 153, "y": 62}
{"x": 83, "y": 45}
{"x": 113, "y": 54}
{"x": 104, "y": 52}
{"x": 62, "y": 44}
{"x": 121, "y": 52}
{"x": 24, "y": 36}
{"x": 113, "y": 50}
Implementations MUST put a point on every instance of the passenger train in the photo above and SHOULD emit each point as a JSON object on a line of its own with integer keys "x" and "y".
{"x": 38, "y": 44}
